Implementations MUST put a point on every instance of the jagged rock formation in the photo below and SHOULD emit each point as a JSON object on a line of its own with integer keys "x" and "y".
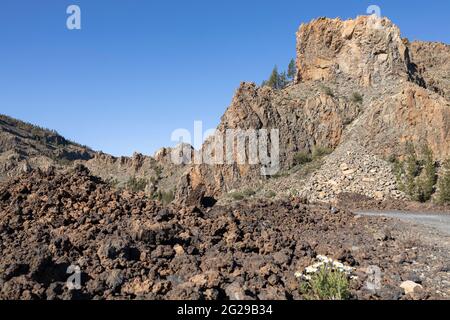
{"x": 357, "y": 83}
{"x": 433, "y": 63}
{"x": 368, "y": 49}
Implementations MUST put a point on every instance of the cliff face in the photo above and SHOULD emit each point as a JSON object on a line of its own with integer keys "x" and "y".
{"x": 367, "y": 49}
{"x": 358, "y": 82}
{"x": 433, "y": 62}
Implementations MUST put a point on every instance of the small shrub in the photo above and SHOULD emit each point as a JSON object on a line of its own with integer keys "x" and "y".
{"x": 237, "y": 195}
{"x": 319, "y": 152}
{"x": 113, "y": 182}
{"x": 280, "y": 174}
{"x": 327, "y": 91}
{"x": 249, "y": 192}
{"x": 158, "y": 172}
{"x": 302, "y": 158}
{"x": 412, "y": 170}
{"x": 271, "y": 194}
{"x": 326, "y": 284}
{"x": 392, "y": 158}
{"x": 136, "y": 184}
{"x": 357, "y": 98}
{"x": 165, "y": 197}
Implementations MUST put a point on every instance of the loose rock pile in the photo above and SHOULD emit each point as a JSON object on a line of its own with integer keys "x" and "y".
{"x": 350, "y": 169}
{"x": 129, "y": 247}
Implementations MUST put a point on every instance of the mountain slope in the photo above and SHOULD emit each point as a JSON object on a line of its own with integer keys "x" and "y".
{"x": 358, "y": 89}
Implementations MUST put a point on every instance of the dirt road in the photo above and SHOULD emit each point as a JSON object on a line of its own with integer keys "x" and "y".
{"x": 440, "y": 222}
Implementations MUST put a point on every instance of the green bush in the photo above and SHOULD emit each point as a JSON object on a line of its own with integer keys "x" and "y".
{"x": 249, "y": 192}
{"x": 417, "y": 178}
{"x": 326, "y": 284}
{"x": 319, "y": 152}
{"x": 327, "y": 91}
{"x": 302, "y": 158}
{"x": 444, "y": 183}
{"x": 136, "y": 184}
{"x": 271, "y": 194}
{"x": 242, "y": 195}
{"x": 237, "y": 195}
{"x": 165, "y": 197}
{"x": 357, "y": 97}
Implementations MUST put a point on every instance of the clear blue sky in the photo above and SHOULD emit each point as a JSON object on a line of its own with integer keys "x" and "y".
{"x": 140, "y": 69}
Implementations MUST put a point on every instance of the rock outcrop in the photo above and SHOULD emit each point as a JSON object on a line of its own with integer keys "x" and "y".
{"x": 367, "y": 49}
{"x": 433, "y": 62}
{"x": 358, "y": 84}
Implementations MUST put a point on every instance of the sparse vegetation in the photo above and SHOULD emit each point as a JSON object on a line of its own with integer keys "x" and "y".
{"x": 326, "y": 284}
{"x": 319, "y": 152}
{"x": 112, "y": 182}
{"x": 357, "y": 98}
{"x": 417, "y": 178}
{"x": 279, "y": 80}
{"x": 302, "y": 157}
{"x": 249, "y": 192}
{"x": 165, "y": 197}
{"x": 240, "y": 195}
{"x": 236, "y": 195}
{"x": 280, "y": 174}
{"x": 327, "y": 90}
{"x": 427, "y": 181}
{"x": 270, "y": 194}
{"x": 136, "y": 184}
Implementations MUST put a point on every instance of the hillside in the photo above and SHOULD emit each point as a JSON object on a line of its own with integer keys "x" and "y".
{"x": 25, "y": 147}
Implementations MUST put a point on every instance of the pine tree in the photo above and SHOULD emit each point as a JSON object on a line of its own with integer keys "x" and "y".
{"x": 292, "y": 70}
{"x": 429, "y": 177}
{"x": 274, "y": 80}
{"x": 282, "y": 80}
{"x": 412, "y": 170}
{"x": 444, "y": 183}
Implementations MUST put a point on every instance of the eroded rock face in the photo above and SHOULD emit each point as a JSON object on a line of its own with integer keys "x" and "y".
{"x": 412, "y": 114}
{"x": 368, "y": 49}
{"x": 433, "y": 63}
{"x": 302, "y": 123}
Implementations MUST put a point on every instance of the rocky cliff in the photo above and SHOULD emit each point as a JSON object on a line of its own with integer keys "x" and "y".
{"x": 359, "y": 86}
{"x": 367, "y": 49}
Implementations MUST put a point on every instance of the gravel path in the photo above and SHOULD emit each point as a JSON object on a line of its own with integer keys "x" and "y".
{"x": 439, "y": 222}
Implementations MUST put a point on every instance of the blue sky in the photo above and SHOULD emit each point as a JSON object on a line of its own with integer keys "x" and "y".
{"x": 140, "y": 69}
